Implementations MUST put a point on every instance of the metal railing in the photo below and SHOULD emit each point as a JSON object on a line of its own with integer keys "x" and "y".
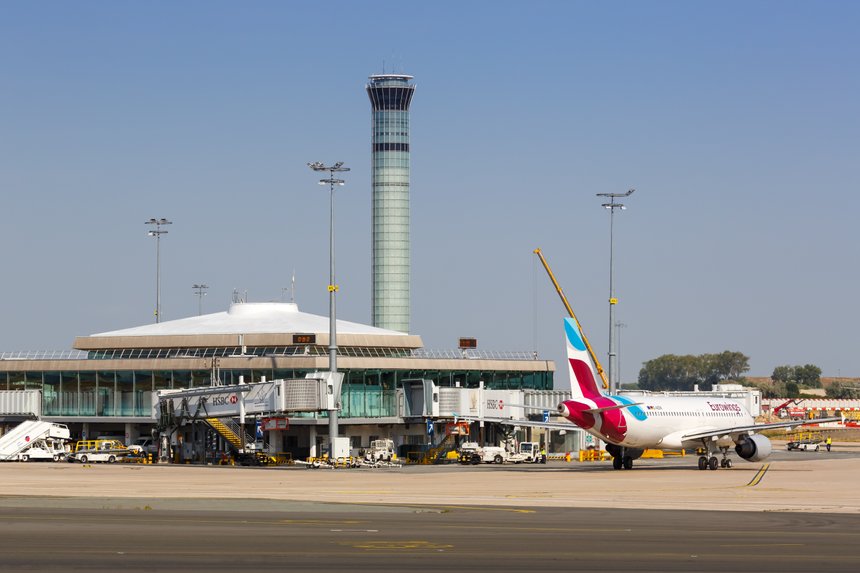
{"x": 268, "y": 351}
{"x": 45, "y": 355}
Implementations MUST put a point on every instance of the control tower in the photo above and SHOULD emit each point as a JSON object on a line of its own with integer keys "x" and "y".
{"x": 390, "y": 96}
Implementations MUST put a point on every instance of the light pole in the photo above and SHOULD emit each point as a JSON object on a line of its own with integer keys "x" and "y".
{"x": 618, "y": 327}
{"x": 157, "y": 234}
{"x": 612, "y": 206}
{"x": 332, "y": 290}
{"x": 200, "y": 291}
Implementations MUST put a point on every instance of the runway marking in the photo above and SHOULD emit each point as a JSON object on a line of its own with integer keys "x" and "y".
{"x": 763, "y": 545}
{"x": 478, "y": 508}
{"x": 354, "y": 530}
{"x": 758, "y": 477}
{"x": 400, "y": 545}
{"x": 363, "y": 491}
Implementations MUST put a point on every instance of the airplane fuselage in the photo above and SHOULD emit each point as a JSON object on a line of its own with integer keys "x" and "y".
{"x": 655, "y": 421}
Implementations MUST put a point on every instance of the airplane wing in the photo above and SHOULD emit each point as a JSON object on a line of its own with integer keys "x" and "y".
{"x": 754, "y": 428}
{"x": 522, "y": 423}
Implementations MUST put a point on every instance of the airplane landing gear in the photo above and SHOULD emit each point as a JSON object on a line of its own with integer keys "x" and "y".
{"x": 622, "y": 462}
{"x": 725, "y": 462}
{"x": 707, "y": 461}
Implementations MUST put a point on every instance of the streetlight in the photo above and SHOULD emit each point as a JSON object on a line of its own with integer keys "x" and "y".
{"x": 332, "y": 290}
{"x": 612, "y": 206}
{"x": 618, "y": 327}
{"x": 157, "y": 234}
{"x": 200, "y": 292}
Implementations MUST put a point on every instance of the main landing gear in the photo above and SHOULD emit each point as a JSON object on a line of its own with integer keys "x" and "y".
{"x": 625, "y": 462}
{"x": 622, "y": 458}
{"x": 712, "y": 462}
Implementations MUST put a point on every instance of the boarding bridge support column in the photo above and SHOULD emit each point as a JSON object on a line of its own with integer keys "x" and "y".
{"x": 313, "y": 440}
{"x": 129, "y": 430}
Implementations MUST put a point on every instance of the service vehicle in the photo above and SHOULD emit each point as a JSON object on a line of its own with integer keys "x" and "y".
{"x": 380, "y": 451}
{"x": 20, "y": 438}
{"x": 473, "y": 453}
{"x": 108, "y": 451}
{"x": 804, "y": 445}
{"x": 45, "y": 449}
{"x": 145, "y": 445}
{"x": 510, "y": 452}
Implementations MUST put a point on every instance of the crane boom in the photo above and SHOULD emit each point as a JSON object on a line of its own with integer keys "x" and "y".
{"x": 573, "y": 316}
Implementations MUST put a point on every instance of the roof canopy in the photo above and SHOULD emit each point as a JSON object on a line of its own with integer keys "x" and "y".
{"x": 248, "y": 323}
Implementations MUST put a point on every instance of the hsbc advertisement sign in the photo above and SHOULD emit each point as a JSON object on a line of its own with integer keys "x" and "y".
{"x": 477, "y": 402}
{"x": 230, "y": 400}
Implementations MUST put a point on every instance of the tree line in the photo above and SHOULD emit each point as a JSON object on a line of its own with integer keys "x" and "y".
{"x": 685, "y": 372}
{"x": 673, "y": 372}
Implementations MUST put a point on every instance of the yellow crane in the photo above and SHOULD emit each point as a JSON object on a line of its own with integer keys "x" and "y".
{"x": 573, "y": 316}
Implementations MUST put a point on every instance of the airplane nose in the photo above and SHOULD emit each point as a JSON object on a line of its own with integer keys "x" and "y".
{"x": 563, "y": 410}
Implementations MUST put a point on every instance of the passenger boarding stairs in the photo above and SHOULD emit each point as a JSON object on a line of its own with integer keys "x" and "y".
{"x": 439, "y": 453}
{"x": 27, "y": 433}
{"x": 228, "y": 429}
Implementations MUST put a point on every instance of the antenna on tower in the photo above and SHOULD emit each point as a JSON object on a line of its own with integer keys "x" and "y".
{"x": 293, "y": 287}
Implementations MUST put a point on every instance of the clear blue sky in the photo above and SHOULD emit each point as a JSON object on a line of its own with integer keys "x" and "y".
{"x": 737, "y": 123}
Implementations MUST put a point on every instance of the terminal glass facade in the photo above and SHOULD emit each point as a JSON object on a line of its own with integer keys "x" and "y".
{"x": 129, "y": 393}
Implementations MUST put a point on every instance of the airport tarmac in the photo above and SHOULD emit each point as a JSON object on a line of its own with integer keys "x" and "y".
{"x": 788, "y": 481}
{"x": 302, "y": 537}
{"x": 798, "y": 512}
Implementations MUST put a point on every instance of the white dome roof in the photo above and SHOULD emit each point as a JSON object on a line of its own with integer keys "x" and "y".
{"x": 251, "y": 318}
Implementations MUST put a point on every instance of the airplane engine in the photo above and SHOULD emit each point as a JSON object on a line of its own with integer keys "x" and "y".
{"x": 753, "y": 448}
{"x": 632, "y": 453}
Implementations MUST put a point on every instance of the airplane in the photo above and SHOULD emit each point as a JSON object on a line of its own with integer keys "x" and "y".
{"x": 713, "y": 425}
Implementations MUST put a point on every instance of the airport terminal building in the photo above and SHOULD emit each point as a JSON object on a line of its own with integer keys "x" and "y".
{"x": 108, "y": 385}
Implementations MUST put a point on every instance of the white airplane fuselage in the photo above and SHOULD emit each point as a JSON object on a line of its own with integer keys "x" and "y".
{"x": 654, "y": 421}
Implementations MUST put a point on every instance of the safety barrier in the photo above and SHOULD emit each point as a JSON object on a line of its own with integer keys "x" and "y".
{"x": 591, "y": 456}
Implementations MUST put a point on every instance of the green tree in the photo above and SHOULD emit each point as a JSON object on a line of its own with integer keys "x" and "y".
{"x": 783, "y": 374}
{"x": 673, "y": 372}
{"x": 808, "y": 375}
{"x": 792, "y": 390}
{"x": 843, "y": 391}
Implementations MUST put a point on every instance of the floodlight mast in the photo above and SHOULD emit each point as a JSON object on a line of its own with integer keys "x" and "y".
{"x": 200, "y": 292}
{"x": 612, "y": 206}
{"x": 332, "y": 291}
{"x": 157, "y": 234}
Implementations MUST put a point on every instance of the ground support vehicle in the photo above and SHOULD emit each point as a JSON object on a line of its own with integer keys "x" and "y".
{"x": 804, "y": 445}
{"x": 472, "y": 453}
{"x": 24, "y": 435}
{"x": 109, "y": 451}
{"x": 529, "y": 453}
{"x": 45, "y": 449}
{"x": 526, "y": 452}
{"x": 380, "y": 451}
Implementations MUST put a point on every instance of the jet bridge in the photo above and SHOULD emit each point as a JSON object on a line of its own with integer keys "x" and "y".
{"x": 219, "y": 405}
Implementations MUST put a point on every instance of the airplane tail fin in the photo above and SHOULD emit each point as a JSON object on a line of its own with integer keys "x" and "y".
{"x": 581, "y": 367}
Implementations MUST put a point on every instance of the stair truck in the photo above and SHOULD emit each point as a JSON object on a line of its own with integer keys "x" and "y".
{"x": 15, "y": 443}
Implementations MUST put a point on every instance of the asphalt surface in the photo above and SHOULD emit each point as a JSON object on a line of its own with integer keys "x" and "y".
{"x": 800, "y": 511}
{"x": 325, "y": 537}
